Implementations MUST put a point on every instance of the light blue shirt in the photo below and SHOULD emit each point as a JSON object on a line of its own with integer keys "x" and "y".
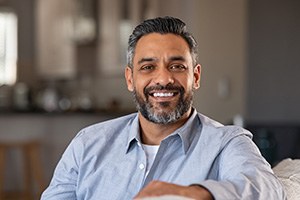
{"x": 106, "y": 161}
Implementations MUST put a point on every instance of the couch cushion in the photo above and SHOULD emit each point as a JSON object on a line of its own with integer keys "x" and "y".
{"x": 288, "y": 172}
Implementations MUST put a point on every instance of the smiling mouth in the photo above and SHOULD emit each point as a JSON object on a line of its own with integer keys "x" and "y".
{"x": 163, "y": 94}
{"x": 160, "y": 94}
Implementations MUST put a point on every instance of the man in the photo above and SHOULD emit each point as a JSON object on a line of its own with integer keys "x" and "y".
{"x": 166, "y": 148}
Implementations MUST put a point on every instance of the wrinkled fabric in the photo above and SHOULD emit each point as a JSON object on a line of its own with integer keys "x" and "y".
{"x": 106, "y": 161}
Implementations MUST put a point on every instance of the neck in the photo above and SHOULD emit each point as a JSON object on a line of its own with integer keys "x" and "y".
{"x": 153, "y": 133}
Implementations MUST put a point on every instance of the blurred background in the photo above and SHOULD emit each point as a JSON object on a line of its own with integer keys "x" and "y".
{"x": 62, "y": 64}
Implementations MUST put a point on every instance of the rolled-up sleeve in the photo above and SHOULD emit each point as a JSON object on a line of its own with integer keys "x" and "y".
{"x": 243, "y": 173}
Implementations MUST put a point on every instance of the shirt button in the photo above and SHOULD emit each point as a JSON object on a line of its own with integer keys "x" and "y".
{"x": 142, "y": 166}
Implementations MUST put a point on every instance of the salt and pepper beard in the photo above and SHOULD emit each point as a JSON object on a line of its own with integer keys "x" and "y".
{"x": 147, "y": 109}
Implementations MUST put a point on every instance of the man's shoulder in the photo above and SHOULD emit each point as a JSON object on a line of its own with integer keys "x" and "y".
{"x": 215, "y": 128}
{"x": 110, "y": 126}
{"x": 119, "y": 121}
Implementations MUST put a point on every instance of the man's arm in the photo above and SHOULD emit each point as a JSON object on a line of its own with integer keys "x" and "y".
{"x": 242, "y": 173}
{"x": 158, "y": 188}
{"x": 63, "y": 183}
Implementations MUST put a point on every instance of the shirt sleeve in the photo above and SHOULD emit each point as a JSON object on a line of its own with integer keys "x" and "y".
{"x": 243, "y": 173}
{"x": 64, "y": 181}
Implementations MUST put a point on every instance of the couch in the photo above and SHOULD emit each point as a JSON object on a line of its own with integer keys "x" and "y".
{"x": 288, "y": 172}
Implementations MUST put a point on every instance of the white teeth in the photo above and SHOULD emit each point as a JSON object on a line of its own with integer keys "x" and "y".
{"x": 163, "y": 94}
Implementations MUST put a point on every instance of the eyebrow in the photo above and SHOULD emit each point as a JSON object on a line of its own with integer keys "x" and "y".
{"x": 172, "y": 58}
{"x": 177, "y": 58}
{"x": 146, "y": 60}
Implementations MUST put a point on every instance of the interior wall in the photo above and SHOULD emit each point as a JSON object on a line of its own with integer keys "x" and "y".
{"x": 221, "y": 31}
{"x": 221, "y": 28}
{"x": 274, "y": 71}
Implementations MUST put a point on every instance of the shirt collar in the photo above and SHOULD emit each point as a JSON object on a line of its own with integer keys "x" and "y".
{"x": 133, "y": 135}
{"x": 185, "y": 132}
{"x": 188, "y": 131}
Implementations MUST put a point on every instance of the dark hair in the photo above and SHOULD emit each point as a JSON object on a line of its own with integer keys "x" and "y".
{"x": 162, "y": 25}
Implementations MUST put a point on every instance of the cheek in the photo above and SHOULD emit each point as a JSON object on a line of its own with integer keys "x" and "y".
{"x": 187, "y": 82}
{"x": 139, "y": 84}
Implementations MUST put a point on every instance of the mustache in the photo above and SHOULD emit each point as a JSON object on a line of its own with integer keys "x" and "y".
{"x": 170, "y": 87}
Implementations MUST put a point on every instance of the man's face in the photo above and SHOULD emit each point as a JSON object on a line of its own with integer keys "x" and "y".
{"x": 163, "y": 77}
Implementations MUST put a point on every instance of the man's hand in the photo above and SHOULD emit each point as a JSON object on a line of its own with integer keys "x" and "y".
{"x": 158, "y": 188}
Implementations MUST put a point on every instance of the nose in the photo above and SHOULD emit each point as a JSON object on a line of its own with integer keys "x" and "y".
{"x": 163, "y": 76}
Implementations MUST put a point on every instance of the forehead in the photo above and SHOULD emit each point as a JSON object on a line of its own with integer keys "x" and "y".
{"x": 157, "y": 40}
{"x": 159, "y": 43}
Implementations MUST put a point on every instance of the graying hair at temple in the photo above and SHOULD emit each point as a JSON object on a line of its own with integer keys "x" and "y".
{"x": 162, "y": 25}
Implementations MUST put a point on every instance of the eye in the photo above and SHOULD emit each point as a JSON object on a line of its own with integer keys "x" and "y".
{"x": 177, "y": 67}
{"x": 147, "y": 67}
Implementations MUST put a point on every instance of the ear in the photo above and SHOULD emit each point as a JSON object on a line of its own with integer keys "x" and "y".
{"x": 129, "y": 78}
{"x": 197, "y": 76}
